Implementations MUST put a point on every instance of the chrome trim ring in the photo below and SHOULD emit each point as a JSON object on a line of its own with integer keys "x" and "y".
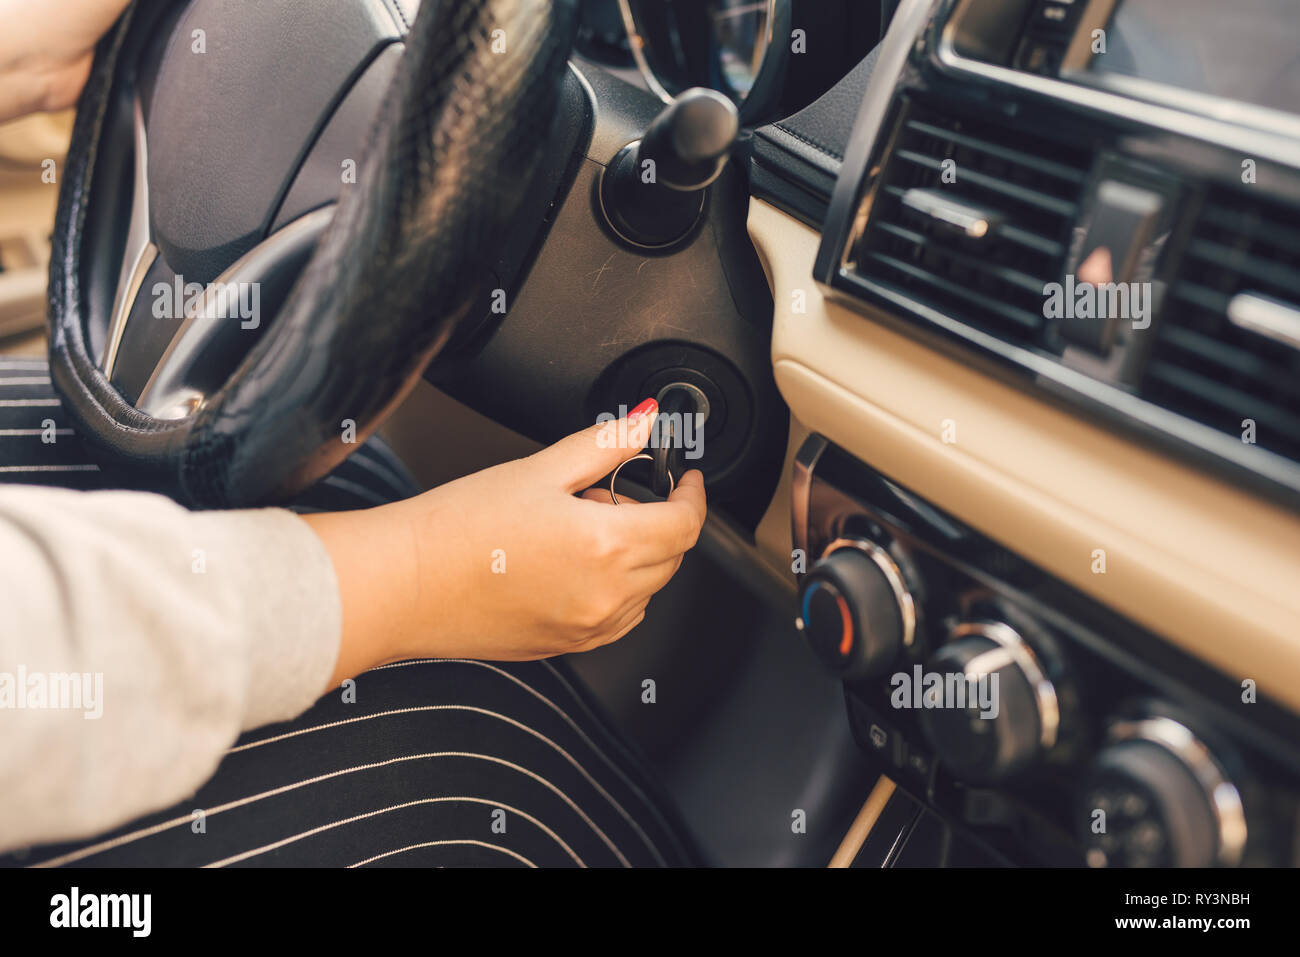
{"x": 1222, "y": 794}
{"x": 764, "y": 80}
{"x": 637, "y": 46}
{"x": 139, "y": 253}
{"x": 893, "y": 574}
{"x": 805, "y": 461}
{"x": 1172, "y": 119}
{"x": 1003, "y": 635}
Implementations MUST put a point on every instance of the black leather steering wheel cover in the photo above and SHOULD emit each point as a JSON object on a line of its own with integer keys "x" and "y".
{"x": 403, "y": 262}
{"x": 134, "y": 439}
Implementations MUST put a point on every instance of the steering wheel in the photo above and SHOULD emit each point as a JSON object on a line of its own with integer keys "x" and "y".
{"x": 234, "y": 412}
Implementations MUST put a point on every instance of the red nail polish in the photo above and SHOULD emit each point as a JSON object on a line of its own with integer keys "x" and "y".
{"x": 645, "y": 408}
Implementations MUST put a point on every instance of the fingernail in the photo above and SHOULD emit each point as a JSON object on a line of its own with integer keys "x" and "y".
{"x": 647, "y": 407}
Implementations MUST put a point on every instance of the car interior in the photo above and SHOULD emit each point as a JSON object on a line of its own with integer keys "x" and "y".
{"x": 987, "y": 313}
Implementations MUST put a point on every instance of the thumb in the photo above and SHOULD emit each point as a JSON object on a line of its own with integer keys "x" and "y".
{"x": 577, "y": 461}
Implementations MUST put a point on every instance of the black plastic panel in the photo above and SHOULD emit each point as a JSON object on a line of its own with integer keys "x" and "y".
{"x": 599, "y": 324}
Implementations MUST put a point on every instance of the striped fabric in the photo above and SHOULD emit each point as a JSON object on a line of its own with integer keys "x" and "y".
{"x": 431, "y": 763}
{"x": 37, "y": 443}
{"x": 417, "y": 764}
{"x": 39, "y": 446}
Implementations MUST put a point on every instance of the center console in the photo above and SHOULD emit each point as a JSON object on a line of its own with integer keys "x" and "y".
{"x": 1024, "y": 714}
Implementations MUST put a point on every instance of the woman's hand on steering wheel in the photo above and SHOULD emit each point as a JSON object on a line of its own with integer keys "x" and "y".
{"x": 46, "y": 49}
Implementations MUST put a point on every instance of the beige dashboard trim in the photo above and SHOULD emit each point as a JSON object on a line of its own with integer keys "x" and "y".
{"x": 863, "y": 824}
{"x": 1208, "y": 566}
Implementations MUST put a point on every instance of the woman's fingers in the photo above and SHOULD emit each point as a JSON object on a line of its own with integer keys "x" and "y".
{"x": 601, "y": 494}
{"x": 578, "y": 460}
{"x": 660, "y": 531}
{"x": 664, "y": 530}
{"x": 650, "y": 578}
{"x": 690, "y": 490}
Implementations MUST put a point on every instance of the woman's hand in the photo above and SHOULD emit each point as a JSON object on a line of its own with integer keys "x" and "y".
{"x": 508, "y": 563}
{"x": 45, "y": 51}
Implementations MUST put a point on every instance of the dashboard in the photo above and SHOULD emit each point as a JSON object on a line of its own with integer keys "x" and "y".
{"x": 1197, "y": 213}
{"x": 1041, "y": 318}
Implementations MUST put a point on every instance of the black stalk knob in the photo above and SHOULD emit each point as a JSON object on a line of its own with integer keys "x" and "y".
{"x": 653, "y": 190}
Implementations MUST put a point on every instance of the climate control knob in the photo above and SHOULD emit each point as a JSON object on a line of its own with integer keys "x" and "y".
{"x": 1158, "y": 798}
{"x": 856, "y": 610}
{"x": 992, "y": 710}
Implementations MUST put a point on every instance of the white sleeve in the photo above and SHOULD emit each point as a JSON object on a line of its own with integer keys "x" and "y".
{"x": 137, "y": 640}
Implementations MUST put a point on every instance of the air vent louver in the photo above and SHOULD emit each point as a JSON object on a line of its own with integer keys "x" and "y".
{"x": 1218, "y": 371}
{"x": 990, "y": 277}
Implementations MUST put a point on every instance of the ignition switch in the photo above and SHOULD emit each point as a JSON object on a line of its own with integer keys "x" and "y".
{"x": 678, "y": 435}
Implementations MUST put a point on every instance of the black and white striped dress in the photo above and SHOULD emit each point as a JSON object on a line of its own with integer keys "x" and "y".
{"x": 423, "y": 763}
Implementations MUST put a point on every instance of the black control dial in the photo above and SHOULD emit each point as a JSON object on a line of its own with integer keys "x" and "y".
{"x": 1157, "y": 798}
{"x": 988, "y": 708}
{"x": 856, "y": 610}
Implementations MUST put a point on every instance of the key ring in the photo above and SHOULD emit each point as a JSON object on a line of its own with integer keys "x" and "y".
{"x": 645, "y": 457}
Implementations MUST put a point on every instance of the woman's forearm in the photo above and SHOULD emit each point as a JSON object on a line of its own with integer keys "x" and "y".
{"x": 137, "y": 641}
{"x": 378, "y": 583}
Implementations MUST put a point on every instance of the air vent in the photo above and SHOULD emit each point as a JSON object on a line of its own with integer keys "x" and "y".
{"x": 1227, "y": 347}
{"x": 976, "y": 238}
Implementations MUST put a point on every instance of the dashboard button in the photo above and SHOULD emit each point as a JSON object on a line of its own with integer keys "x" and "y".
{"x": 875, "y": 734}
